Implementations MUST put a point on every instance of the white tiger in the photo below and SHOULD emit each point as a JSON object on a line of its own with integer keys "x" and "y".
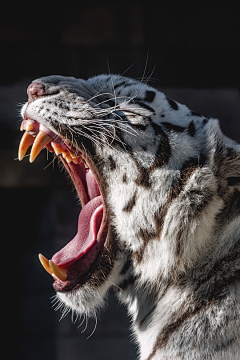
{"x": 160, "y": 193}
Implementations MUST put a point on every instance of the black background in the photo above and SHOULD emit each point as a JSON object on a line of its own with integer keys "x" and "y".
{"x": 190, "y": 52}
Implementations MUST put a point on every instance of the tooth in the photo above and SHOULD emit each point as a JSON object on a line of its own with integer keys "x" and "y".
{"x": 75, "y": 161}
{"x": 59, "y": 272}
{"x": 73, "y": 156}
{"x": 68, "y": 159}
{"x": 57, "y": 149}
{"x": 45, "y": 263}
{"x": 25, "y": 142}
{"x": 30, "y": 127}
{"x": 41, "y": 140}
{"x": 84, "y": 162}
{"x": 66, "y": 156}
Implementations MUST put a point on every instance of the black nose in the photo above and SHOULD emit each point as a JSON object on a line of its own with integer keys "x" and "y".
{"x": 35, "y": 90}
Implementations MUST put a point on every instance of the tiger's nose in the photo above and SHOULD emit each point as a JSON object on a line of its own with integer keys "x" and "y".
{"x": 35, "y": 90}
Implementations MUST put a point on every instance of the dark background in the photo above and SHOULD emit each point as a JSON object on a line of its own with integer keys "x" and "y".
{"x": 189, "y": 52}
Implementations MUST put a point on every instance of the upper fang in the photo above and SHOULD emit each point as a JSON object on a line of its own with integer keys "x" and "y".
{"x": 26, "y": 141}
{"x": 41, "y": 140}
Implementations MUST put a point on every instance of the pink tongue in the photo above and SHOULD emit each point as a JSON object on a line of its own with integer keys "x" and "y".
{"x": 88, "y": 225}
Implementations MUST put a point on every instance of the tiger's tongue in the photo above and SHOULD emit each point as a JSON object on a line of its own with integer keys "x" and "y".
{"x": 89, "y": 222}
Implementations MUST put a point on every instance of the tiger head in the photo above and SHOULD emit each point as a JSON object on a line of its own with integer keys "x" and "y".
{"x": 158, "y": 183}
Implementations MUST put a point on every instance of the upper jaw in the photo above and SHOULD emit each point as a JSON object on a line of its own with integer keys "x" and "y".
{"x": 39, "y": 136}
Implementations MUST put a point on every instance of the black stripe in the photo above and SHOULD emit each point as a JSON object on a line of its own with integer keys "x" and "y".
{"x": 149, "y": 96}
{"x": 173, "y": 127}
{"x": 194, "y": 113}
{"x": 145, "y": 106}
{"x": 111, "y": 103}
{"x": 146, "y": 236}
{"x": 120, "y": 84}
{"x": 124, "y": 179}
{"x": 191, "y": 128}
{"x": 157, "y": 128}
{"x": 127, "y": 265}
{"x": 146, "y": 317}
{"x": 112, "y": 163}
{"x": 131, "y": 203}
{"x": 139, "y": 126}
{"x": 172, "y": 103}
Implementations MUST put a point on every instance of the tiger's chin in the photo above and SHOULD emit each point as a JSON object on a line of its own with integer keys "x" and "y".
{"x": 84, "y": 301}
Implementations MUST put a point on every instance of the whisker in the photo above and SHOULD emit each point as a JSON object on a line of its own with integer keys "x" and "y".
{"x": 145, "y": 68}
{"x": 82, "y": 321}
{"x": 52, "y": 162}
{"x": 86, "y": 318}
{"x": 94, "y": 328}
{"x": 128, "y": 68}
{"x": 151, "y": 73}
{"x": 66, "y": 310}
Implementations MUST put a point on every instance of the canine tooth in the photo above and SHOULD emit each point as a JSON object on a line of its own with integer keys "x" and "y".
{"x": 45, "y": 263}
{"x": 59, "y": 272}
{"x": 25, "y": 142}
{"x": 41, "y": 140}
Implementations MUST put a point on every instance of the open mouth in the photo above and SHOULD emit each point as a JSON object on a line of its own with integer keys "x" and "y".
{"x": 72, "y": 266}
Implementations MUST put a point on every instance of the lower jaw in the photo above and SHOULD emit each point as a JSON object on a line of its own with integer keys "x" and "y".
{"x": 78, "y": 275}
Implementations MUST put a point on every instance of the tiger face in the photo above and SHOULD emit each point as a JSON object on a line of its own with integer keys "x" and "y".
{"x": 159, "y": 187}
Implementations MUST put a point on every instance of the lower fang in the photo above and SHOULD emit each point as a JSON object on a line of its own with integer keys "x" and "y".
{"x": 45, "y": 263}
{"x": 57, "y": 271}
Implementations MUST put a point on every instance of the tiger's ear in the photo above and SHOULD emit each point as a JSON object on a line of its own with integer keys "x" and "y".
{"x": 223, "y": 155}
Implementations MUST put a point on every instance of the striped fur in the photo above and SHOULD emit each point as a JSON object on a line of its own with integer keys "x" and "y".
{"x": 171, "y": 182}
